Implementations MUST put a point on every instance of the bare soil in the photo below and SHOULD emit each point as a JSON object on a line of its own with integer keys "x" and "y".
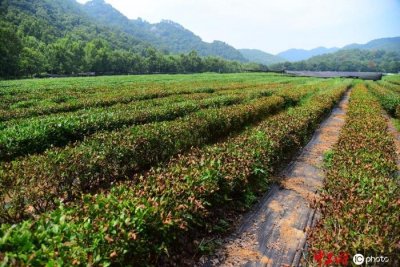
{"x": 396, "y": 137}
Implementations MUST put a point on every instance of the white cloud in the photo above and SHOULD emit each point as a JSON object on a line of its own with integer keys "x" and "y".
{"x": 274, "y": 26}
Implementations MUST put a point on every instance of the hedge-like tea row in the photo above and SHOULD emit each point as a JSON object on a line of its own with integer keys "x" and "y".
{"x": 56, "y": 103}
{"x": 110, "y": 156}
{"x": 138, "y": 223}
{"x": 389, "y": 99}
{"x": 360, "y": 202}
{"x": 393, "y": 79}
{"x": 138, "y": 104}
{"x": 34, "y": 182}
{"x": 36, "y": 135}
{"x": 30, "y": 93}
{"x": 103, "y": 100}
{"x": 40, "y": 89}
{"x": 64, "y": 103}
{"x": 25, "y": 136}
{"x": 165, "y": 100}
{"x": 390, "y": 85}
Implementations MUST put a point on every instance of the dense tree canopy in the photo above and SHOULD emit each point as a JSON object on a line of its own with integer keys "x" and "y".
{"x": 10, "y": 50}
{"x": 348, "y": 60}
{"x": 57, "y": 37}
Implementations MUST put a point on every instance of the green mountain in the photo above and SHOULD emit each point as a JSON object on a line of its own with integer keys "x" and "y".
{"x": 348, "y": 60}
{"x": 166, "y": 35}
{"x": 381, "y": 55}
{"x": 49, "y": 20}
{"x": 258, "y": 56}
{"x": 56, "y": 36}
{"x": 388, "y": 44}
{"x": 302, "y": 54}
{"x": 60, "y": 37}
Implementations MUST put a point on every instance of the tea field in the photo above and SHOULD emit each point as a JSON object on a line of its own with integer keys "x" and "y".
{"x": 141, "y": 170}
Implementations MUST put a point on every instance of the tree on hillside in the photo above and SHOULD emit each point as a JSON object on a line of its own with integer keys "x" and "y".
{"x": 97, "y": 54}
{"x": 192, "y": 62}
{"x": 348, "y": 60}
{"x": 10, "y": 50}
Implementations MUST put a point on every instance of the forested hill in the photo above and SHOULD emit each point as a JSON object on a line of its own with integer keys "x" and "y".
{"x": 59, "y": 37}
{"x": 302, "y": 54}
{"x": 258, "y": 56}
{"x": 348, "y": 60}
{"x": 391, "y": 44}
{"x": 166, "y": 35}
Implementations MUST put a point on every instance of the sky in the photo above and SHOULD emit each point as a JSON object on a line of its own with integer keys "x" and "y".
{"x": 274, "y": 26}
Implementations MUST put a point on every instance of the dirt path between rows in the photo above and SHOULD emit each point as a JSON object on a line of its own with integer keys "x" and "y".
{"x": 274, "y": 233}
{"x": 396, "y": 138}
